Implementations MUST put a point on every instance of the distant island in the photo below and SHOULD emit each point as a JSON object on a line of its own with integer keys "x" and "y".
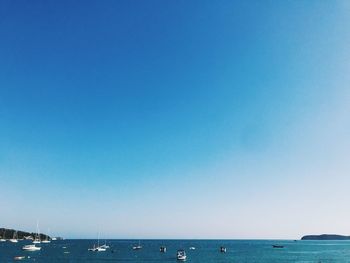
{"x": 6, "y": 233}
{"x": 325, "y": 237}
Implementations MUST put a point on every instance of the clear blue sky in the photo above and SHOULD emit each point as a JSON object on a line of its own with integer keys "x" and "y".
{"x": 175, "y": 119}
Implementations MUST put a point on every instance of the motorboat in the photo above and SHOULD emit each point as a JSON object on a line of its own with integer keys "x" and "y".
{"x": 192, "y": 248}
{"x": 222, "y": 249}
{"x": 162, "y": 249}
{"x": 181, "y": 255}
{"x": 31, "y": 248}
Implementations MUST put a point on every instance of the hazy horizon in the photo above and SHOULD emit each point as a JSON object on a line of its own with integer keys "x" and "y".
{"x": 175, "y": 119}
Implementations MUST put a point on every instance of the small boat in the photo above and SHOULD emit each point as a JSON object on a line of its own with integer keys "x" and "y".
{"x": 192, "y": 248}
{"x": 31, "y": 248}
{"x": 14, "y": 238}
{"x": 162, "y": 249}
{"x": 181, "y": 255}
{"x": 37, "y": 235}
{"x": 277, "y": 246}
{"x": 19, "y": 257}
{"x": 97, "y": 249}
{"x": 137, "y": 247}
{"x": 47, "y": 238}
{"x": 222, "y": 249}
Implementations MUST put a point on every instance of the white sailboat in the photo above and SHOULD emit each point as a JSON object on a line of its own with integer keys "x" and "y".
{"x": 97, "y": 248}
{"x": 137, "y": 247}
{"x": 47, "y": 239}
{"x": 37, "y": 235}
{"x": 14, "y": 238}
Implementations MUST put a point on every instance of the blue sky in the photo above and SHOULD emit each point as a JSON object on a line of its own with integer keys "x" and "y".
{"x": 175, "y": 119}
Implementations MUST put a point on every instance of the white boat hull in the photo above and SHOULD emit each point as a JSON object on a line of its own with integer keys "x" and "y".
{"x": 31, "y": 248}
{"x": 97, "y": 249}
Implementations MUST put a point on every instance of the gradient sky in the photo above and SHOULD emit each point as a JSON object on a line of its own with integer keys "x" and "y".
{"x": 175, "y": 119}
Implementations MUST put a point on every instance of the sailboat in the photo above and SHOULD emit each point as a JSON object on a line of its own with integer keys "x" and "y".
{"x": 37, "y": 235}
{"x": 137, "y": 247}
{"x": 47, "y": 239}
{"x": 97, "y": 248}
{"x": 14, "y": 238}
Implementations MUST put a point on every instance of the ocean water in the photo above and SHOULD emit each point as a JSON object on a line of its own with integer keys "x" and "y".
{"x": 257, "y": 251}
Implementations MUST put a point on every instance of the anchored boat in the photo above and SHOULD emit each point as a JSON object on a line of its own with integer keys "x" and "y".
{"x": 137, "y": 247}
{"x": 31, "y": 248}
{"x": 181, "y": 255}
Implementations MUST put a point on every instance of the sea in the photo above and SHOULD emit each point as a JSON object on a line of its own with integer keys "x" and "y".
{"x": 257, "y": 251}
